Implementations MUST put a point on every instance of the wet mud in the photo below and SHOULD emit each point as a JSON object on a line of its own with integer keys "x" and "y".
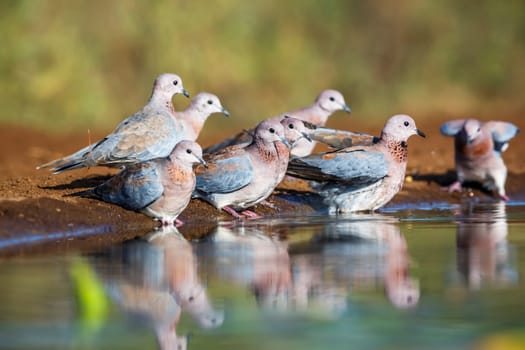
{"x": 41, "y": 212}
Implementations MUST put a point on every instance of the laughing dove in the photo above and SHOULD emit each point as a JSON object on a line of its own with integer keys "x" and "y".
{"x": 192, "y": 119}
{"x": 317, "y": 114}
{"x": 478, "y": 147}
{"x": 239, "y": 177}
{"x": 360, "y": 178}
{"x": 149, "y": 133}
{"x": 160, "y": 188}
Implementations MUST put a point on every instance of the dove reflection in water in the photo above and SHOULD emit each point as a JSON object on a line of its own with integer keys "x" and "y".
{"x": 249, "y": 257}
{"x": 318, "y": 276}
{"x": 483, "y": 253}
{"x": 369, "y": 248}
{"x": 156, "y": 280}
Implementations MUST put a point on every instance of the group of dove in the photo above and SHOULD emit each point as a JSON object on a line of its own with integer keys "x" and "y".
{"x": 163, "y": 168}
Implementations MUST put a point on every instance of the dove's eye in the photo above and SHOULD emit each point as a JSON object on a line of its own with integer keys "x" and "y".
{"x": 332, "y": 99}
{"x": 271, "y": 130}
{"x": 210, "y": 102}
{"x": 479, "y": 129}
{"x": 175, "y": 82}
{"x": 188, "y": 151}
{"x": 406, "y": 123}
{"x": 291, "y": 126}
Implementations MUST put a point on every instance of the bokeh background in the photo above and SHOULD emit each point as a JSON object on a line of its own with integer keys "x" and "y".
{"x": 70, "y": 65}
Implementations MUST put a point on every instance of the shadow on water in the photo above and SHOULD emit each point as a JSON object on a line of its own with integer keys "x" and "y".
{"x": 301, "y": 280}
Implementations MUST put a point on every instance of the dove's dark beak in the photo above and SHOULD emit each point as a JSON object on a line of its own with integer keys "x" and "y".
{"x": 202, "y": 161}
{"x": 185, "y": 93}
{"x": 286, "y": 143}
{"x": 306, "y": 136}
{"x": 225, "y": 112}
{"x": 420, "y": 133}
{"x": 347, "y": 109}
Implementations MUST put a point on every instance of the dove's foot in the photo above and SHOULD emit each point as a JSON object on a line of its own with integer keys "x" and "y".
{"x": 455, "y": 187}
{"x": 503, "y": 197}
{"x": 250, "y": 214}
{"x": 178, "y": 223}
{"x": 232, "y": 212}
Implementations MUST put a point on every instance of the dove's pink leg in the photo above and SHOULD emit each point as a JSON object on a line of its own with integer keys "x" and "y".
{"x": 251, "y": 214}
{"x": 455, "y": 187}
{"x": 232, "y": 212}
{"x": 504, "y": 197}
{"x": 178, "y": 223}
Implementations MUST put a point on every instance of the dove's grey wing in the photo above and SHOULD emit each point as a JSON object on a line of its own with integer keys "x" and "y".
{"x": 134, "y": 188}
{"x": 225, "y": 175}
{"x": 139, "y": 138}
{"x": 357, "y": 165}
{"x": 502, "y": 133}
{"x": 341, "y": 139}
{"x": 452, "y": 128}
{"x": 136, "y": 139}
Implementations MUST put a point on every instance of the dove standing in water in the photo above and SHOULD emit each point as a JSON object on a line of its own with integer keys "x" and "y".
{"x": 192, "y": 119}
{"x": 328, "y": 102}
{"x": 360, "y": 178}
{"x": 147, "y": 134}
{"x": 160, "y": 188}
{"x": 478, "y": 147}
{"x": 239, "y": 177}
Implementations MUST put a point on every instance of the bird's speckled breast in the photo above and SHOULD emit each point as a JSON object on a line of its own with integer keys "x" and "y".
{"x": 269, "y": 154}
{"x": 398, "y": 150}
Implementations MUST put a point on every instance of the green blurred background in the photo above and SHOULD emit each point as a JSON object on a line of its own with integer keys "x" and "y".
{"x": 70, "y": 65}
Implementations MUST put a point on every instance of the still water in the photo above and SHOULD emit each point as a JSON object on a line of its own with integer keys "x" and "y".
{"x": 421, "y": 277}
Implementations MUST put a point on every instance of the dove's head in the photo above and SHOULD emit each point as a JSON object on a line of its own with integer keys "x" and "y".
{"x": 294, "y": 130}
{"x": 208, "y": 103}
{"x": 332, "y": 101}
{"x": 168, "y": 84}
{"x": 471, "y": 130}
{"x": 187, "y": 152}
{"x": 400, "y": 127}
{"x": 270, "y": 131}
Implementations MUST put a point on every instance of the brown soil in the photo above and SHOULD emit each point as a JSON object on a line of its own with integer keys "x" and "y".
{"x": 39, "y": 211}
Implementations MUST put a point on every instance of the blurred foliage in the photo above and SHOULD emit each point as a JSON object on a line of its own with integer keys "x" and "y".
{"x": 70, "y": 64}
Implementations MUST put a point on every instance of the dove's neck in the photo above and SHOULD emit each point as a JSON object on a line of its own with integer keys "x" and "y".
{"x": 318, "y": 115}
{"x": 398, "y": 149}
{"x": 180, "y": 174}
{"x": 161, "y": 100}
{"x": 193, "y": 119}
{"x": 270, "y": 152}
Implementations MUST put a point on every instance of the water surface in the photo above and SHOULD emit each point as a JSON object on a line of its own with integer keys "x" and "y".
{"x": 423, "y": 277}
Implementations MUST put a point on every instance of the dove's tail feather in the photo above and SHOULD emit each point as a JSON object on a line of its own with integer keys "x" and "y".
{"x": 73, "y": 161}
{"x": 68, "y": 166}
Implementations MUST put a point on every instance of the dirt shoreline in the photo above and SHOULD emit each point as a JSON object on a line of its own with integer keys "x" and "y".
{"x": 40, "y": 211}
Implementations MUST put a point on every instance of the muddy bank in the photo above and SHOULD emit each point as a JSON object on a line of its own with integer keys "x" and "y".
{"x": 40, "y": 211}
